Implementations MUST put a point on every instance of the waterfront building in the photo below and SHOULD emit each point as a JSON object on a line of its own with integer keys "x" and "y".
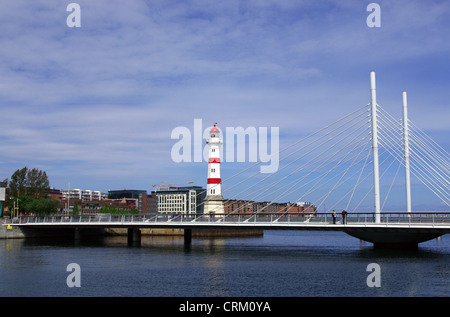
{"x": 237, "y": 206}
{"x": 140, "y": 195}
{"x": 83, "y": 194}
{"x": 71, "y": 194}
{"x": 98, "y": 195}
{"x": 86, "y": 194}
{"x": 54, "y": 193}
{"x": 89, "y": 202}
{"x": 179, "y": 200}
{"x": 125, "y": 193}
{"x": 93, "y": 207}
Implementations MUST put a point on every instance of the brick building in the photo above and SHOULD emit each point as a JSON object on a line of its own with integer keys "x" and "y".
{"x": 249, "y": 206}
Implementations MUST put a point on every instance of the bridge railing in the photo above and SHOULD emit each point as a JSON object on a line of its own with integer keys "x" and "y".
{"x": 434, "y": 218}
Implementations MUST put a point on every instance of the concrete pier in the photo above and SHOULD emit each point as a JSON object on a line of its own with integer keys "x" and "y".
{"x": 12, "y": 232}
{"x": 134, "y": 236}
{"x": 77, "y": 234}
{"x": 384, "y": 238}
{"x": 187, "y": 236}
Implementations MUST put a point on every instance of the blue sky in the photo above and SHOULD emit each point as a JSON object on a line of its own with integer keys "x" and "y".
{"x": 95, "y": 105}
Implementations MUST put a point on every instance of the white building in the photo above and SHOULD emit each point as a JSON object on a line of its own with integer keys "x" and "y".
{"x": 179, "y": 200}
{"x": 98, "y": 195}
{"x": 85, "y": 194}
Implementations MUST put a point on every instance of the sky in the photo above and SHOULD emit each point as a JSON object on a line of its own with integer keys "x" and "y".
{"x": 95, "y": 106}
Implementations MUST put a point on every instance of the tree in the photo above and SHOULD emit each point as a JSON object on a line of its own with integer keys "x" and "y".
{"x": 108, "y": 209}
{"x": 37, "y": 182}
{"x": 28, "y": 188}
{"x": 30, "y": 182}
{"x": 44, "y": 206}
{"x": 4, "y": 183}
{"x": 18, "y": 183}
{"x": 75, "y": 210}
{"x": 41, "y": 206}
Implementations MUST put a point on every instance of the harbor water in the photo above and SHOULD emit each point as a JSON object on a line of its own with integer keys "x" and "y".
{"x": 277, "y": 264}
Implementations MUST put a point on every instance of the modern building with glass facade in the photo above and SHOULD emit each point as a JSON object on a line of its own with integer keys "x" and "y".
{"x": 180, "y": 200}
{"x": 125, "y": 193}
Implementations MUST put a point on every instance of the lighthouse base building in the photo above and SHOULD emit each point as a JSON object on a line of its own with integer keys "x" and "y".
{"x": 213, "y": 204}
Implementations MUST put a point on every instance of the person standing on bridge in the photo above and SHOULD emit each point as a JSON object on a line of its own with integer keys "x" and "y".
{"x": 344, "y": 216}
{"x": 333, "y": 214}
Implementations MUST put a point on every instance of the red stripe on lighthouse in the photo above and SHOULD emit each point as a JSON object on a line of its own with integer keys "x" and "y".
{"x": 214, "y": 160}
{"x": 214, "y": 180}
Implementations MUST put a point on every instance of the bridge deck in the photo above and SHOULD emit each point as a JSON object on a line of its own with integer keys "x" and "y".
{"x": 394, "y": 229}
{"x": 318, "y": 221}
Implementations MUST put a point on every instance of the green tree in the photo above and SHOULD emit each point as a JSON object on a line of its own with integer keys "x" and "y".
{"x": 108, "y": 209}
{"x": 30, "y": 182}
{"x": 40, "y": 206}
{"x": 44, "y": 206}
{"x": 37, "y": 183}
{"x": 18, "y": 182}
{"x": 28, "y": 188}
{"x": 75, "y": 209}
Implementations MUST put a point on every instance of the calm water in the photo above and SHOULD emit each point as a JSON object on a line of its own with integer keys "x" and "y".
{"x": 279, "y": 264}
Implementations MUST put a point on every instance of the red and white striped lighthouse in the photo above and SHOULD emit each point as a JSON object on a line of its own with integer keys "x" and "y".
{"x": 214, "y": 185}
{"x": 214, "y": 200}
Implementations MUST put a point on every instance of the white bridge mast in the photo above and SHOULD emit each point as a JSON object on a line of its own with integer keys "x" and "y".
{"x": 406, "y": 149}
{"x": 376, "y": 173}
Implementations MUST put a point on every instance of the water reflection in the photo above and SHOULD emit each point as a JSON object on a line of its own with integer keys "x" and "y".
{"x": 276, "y": 264}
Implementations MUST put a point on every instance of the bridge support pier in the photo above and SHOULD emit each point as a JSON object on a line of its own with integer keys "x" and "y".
{"x": 187, "y": 236}
{"x": 77, "y": 234}
{"x": 402, "y": 246}
{"x": 386, "y": 238}
{"x": 134, "y": 236}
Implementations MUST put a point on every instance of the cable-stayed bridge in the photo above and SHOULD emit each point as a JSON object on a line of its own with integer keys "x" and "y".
{"x": 342, "y": 165}
{"x": 333, "y": 167}
{"x": 394, "y": 229}
{"x": 338, "y": 167}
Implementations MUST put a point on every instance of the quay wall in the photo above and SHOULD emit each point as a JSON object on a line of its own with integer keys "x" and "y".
{"x": 14, "y": 233}
{"x": 227, "y": 232}
{"x": 20, "y": 233}
{"x": 145, "y": 232}
{"x": 195, "y": 232}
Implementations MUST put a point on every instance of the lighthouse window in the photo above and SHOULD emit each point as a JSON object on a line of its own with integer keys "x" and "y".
{"x": 213, "y": 150}
{"x": 213, "y": 170}
{"x": 213, "y": 191}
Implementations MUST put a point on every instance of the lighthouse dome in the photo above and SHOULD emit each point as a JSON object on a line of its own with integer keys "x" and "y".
{"x": 214, "y": 129}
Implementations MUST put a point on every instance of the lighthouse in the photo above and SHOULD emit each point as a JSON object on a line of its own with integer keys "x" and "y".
{"x": 214, "y": 202}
